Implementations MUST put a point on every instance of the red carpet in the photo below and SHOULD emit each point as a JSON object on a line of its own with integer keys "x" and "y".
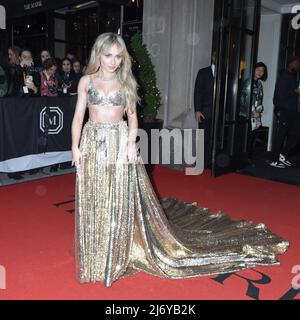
{"x": 36, "y": 235}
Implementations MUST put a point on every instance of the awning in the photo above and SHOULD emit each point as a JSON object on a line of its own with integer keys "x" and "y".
{"x": 19, "y": 8}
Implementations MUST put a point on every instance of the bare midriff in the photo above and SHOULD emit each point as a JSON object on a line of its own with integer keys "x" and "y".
{"x": 112, "y": 114}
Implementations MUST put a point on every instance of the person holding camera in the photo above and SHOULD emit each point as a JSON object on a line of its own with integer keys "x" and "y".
{"x": 68, "y": 81}
{"x": 48, "y": 82}
{"x": 27, "y": 75}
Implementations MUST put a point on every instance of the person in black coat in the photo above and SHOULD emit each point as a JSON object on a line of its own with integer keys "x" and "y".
{"x": 23, "y": 77}
{"x": 203, "y": 103}
{"x": 67, "y": 79}
{"x": 286, "y": 111}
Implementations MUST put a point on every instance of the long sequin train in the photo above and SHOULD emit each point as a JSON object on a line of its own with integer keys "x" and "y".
{"x": 121, "y": 227}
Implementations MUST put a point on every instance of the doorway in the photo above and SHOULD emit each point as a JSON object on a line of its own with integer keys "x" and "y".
{"x": 76, "y": 27}
{"x": 236, "y": 28}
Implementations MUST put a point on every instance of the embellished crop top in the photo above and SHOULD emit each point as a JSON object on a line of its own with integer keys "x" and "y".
{"x": 97, "y": 98}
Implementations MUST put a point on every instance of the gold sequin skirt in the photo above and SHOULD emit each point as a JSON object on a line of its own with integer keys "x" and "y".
{"x": 121, "y": 227}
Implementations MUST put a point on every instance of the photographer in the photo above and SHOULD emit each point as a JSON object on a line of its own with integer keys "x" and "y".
{"x": 48, "y": 83}
{"x": 26, "y": 77}
{"x": 68, "y": 81}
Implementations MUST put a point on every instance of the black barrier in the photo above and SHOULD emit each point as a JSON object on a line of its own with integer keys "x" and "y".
{"x": 35, "y": 125}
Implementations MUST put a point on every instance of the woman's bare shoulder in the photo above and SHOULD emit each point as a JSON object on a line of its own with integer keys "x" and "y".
{"x": 85, "y": 78}
{"x": 84, "y": 82}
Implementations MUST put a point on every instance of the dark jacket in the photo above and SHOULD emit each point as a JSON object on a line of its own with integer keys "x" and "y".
{"x": 204, "y": 92}
{"x": 3, "y": 82}
{"x": 285, "y": 97}
{"x": 16, "y": 79}
{"x": 70, "y": 78}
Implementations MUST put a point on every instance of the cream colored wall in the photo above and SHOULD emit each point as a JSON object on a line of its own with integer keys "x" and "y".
{"x": 178, "y": 35}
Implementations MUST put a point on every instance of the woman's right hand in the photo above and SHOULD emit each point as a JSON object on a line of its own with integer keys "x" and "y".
{"x": 76, "y": 157}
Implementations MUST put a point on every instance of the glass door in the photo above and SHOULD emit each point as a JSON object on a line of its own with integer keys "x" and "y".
{"x": 236, "y": 40}
{"x": 31, "y": 32}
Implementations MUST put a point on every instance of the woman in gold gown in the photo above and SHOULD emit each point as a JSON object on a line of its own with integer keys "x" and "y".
{"x": 121, "y": 227}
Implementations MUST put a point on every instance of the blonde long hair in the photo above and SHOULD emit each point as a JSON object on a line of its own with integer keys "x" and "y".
{"x": 102, "y": 44}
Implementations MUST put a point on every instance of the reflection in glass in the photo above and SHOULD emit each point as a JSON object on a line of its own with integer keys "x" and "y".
{"x": 245, "y": 74}
{"x": 249, "y": 11}
{"x": 233, "y": 67}
{"x": 236, "y": 7}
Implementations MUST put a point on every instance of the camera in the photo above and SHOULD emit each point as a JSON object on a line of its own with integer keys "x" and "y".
{"x": 29, "y": 70}
{"x": 52, "y": 89}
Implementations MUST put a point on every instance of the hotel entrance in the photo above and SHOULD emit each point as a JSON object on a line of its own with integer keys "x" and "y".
{"x": 66, "y": 26}
{"x": 236, "y": 29}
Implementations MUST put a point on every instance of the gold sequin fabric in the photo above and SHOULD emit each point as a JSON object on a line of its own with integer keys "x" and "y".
{"x": 121, "y": 227}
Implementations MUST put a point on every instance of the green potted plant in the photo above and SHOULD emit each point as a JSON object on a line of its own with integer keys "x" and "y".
{"x": 144, "y": 72}
{"x": 151, "y": 101}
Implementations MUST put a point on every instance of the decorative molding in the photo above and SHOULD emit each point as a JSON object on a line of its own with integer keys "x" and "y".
{"x": 271, "y": 5}
{"x": 287, "y": 8}
{"x": 277, "y": 7}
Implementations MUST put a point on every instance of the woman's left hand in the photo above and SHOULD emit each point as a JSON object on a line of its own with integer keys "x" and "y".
{"x": 132, "y": 152}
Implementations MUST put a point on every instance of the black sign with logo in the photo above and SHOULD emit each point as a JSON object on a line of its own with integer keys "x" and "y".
{"x": 35, "y": 125}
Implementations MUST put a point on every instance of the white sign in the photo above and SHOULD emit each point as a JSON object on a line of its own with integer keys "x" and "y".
{"x": 33, "y": 5}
